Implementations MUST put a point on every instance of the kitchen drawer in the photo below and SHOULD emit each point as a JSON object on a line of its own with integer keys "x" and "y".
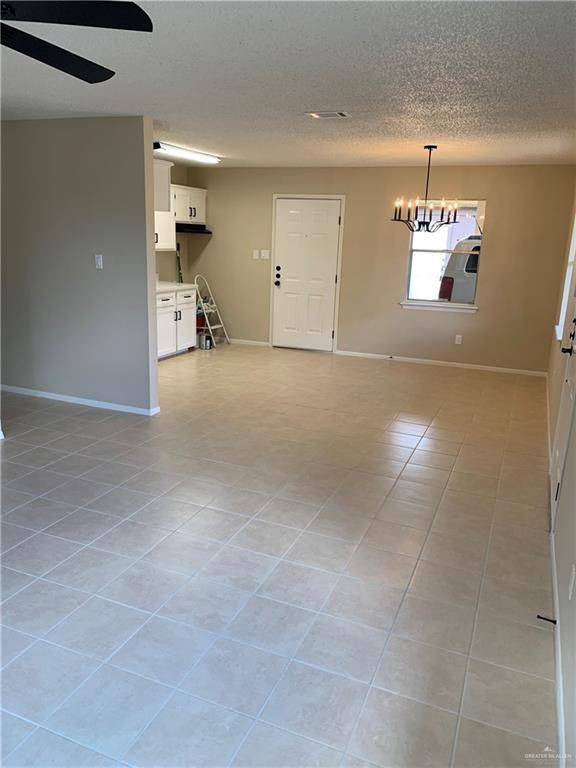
{"x": 186, "y": 297}
{"x": 165, "y": 299}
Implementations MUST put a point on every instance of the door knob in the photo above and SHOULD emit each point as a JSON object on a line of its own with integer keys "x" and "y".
{"x": 277, "y": 282}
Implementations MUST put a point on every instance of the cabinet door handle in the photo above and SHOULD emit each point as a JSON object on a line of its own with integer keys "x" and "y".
{"x": 155, "y": 237}
{"x": 179, "y": 314}
{"x": 175, "y": 315}
{"x": 192, "y": 212}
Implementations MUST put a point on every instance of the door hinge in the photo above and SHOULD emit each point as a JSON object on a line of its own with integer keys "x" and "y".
{"x": 332, "y": 334}
{"x": 336, "y": 278}
{"x": 557, "y": 491}
{"x": 339, "y": 220}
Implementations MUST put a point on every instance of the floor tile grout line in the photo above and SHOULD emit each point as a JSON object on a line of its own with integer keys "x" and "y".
{"x": 390, "y": 635}
{"x": 460, "y": 714}
{"x": 290, "y": 660}
{"x": 158, "y": 615}
{"x": 102, "y": 664}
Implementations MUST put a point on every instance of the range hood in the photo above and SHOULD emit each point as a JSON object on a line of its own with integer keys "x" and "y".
{"x": 192, "y": 229}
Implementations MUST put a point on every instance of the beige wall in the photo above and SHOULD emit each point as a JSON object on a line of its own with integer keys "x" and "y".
{"x": 72, "y": 189}
{"x": 528, "y": 211}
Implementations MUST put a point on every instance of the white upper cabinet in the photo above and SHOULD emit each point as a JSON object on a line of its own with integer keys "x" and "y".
{"x": 162, "y": 184}
{"x": 186, "y": 205}
{"x": 180, "y": 199}
{"x": 164, "y": 231}
{"x": 189, "y": 204}
{"x": 197, "y": 205}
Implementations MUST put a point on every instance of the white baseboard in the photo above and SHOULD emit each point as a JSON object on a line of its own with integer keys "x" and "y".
{"x": 80, "y": 400}
{"x": 446, "y": 363}
{"x": 251, "y": 343}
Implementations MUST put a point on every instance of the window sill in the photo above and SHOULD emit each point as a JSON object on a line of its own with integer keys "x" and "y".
{"x": 438, "y": 306}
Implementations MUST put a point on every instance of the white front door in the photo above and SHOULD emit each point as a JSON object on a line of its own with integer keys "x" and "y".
{"x": 306, "y": 239}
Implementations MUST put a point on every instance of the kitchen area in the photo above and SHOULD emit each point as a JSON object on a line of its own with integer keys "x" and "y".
{"x": 179, "y": 213}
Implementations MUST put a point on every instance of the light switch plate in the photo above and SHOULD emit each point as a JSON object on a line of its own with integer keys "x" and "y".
{"x": 265, "y": 254}
{"x": 255, "y": 253}
{"x": 99, "y": 261}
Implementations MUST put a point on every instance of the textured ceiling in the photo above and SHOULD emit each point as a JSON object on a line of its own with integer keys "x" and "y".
{"x": 490, "y": 82}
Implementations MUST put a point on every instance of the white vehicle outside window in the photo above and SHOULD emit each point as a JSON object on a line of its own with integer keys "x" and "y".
{"x": 444, "y": 265}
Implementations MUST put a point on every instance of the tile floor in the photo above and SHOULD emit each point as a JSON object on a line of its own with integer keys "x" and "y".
{"x": 304, "y": 560}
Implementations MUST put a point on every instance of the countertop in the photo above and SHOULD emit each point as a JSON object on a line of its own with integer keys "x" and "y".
{"x": 164, "y": 286}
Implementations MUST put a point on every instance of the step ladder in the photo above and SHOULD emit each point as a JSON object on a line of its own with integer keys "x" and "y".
{"x": 212, "y": 317}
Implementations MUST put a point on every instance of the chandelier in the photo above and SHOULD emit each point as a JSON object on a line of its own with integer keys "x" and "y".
{"x": 422, "y": 217}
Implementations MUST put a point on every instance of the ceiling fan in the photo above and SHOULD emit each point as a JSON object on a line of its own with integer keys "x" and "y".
{"x": 107, "y": 14}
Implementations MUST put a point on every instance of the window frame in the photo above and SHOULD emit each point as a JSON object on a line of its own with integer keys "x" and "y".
{"x": 436, "y": 304}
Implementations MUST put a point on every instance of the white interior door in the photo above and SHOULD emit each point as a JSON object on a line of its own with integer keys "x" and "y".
{"x": 304, "y": 272}
{"x": 565, "y": 557}
{"x": 567, "y": 404}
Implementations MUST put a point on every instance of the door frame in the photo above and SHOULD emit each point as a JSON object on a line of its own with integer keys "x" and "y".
{"x": 293, "y": 196}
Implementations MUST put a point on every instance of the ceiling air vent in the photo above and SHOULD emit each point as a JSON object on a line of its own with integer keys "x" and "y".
{"x": 328, "y": 115}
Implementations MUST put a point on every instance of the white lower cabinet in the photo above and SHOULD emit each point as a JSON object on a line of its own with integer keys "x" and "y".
{"x": 176, "y": 321}
{"x": 166, "y": 331}
{"x": 186, "y": 327}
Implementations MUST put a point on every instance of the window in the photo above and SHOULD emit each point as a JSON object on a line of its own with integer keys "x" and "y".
{"x": 444, "y": 264}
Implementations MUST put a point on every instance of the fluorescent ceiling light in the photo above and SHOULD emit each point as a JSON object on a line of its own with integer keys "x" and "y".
{"x": 332, "y": 115}
{"x": 181, "y": 153}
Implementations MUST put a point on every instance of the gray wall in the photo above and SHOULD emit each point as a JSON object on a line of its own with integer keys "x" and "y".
{"x": 72, "y": 189}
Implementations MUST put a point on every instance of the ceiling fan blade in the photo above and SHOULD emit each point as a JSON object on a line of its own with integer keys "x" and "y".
{"x": 94, "y": 13}
{"x": 53, "y": 55}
